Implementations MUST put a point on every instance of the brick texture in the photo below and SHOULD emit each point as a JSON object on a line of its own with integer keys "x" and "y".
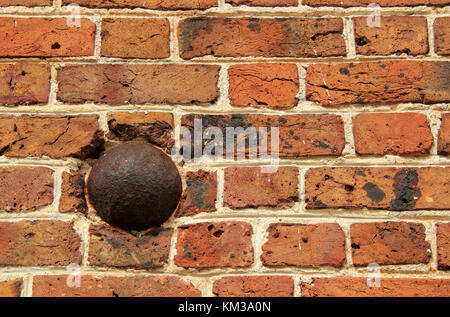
{"x": 254, "y": 286}
{"x": 214, "y": 245}
{"x": 39, "y": 243}
{"x": 124, "y": 286}
{"x": 149, "y": 4}
{"x": 240, "y": 37}
{"x": 138, "y": 84}
{"x": 264, "y": 85}
{"x": 389, "y": 243}
{"x": 389, "y": 287}
{"x": 200, "y": 194}
{"x": 305, "y": 135}
{"x": 442, "y": 36}
{"x": 383, "y": 3}
{"x": 65, "y": 136}
{"x": 45, "y": 37}
{"x": 72, "y": 193}
{"x": 378, "y": 83}
{"x": 112, "y": 247}
{"x": 444, "y": 135}
{"x": 392, "y": 133}
{"x": 396, "y": 35}
{"x": 11, "y": 288}
{"x": 443, "y": 245}
{"x": 263, "y": 3}
{"x": 378, "y": 188}
{"x": 25, "y": 188}
{"x": 24, "y": 84}
{"x": 249, "y": 187}
{"x": 27, "y": 3}
{"x": 135, "y": 38}
{"x": 153, "y": 127}
{"x": 304, "y": 245}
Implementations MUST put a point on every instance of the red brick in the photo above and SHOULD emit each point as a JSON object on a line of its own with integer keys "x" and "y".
{"x": 24, "y": 84}
{"x": 254, "y": 286}
{"x": 111, "y": 247}
{"x": 264, "y": 85}
{"x": 39, "y": 243}
{"x": 113, "y": 286}
{"x": 389, "y": 243}
{"x": 215, "y": 245}
{"x": 378, "y": 83}
{"x": 200, "y": 194}
{"x": 382, "y": 3}
{"x": 239, "y": 37}
{"x": 444, "y": 135}
{"x": 442, "y": 36}
{"x": 148, "y": 4}
{"x": 139, "y": 84}
{"x": 443, "y": 245}
{"x": 305, "y": 135}
{"x": 45, "y": 37}
{"x": 77, "y": 136}
{"x": 392, "y": 133}
{"x": 153, "y": 127}
{"x": 25, "y": 188}
{"x": 135, "y": 38}
{"x": 389, "y": 287}
{"x": 263, "y": 3}
{"x": 72, "y": 193}
{"x": 378, "y": 188}
{"x": 26, "y": 3}
{"x": 248, "y": 187}
{"x": 304, "y": 245}
{"x": 396, "y": 35}
{"x": 11, "y": 288}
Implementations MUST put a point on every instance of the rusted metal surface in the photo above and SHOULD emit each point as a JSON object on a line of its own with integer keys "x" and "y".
{"x": 134, "y": 186}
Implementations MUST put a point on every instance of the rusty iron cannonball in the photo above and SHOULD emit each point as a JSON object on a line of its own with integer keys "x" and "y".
{"x": 134, "y": 186}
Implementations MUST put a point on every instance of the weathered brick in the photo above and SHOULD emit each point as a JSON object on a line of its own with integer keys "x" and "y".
{"x": 39, "y": 243}
{"x": 11, "y": 288}
{"x": 113, "y": 286}
{"x": 396, "y": 35}
{"x": 135, "y": 38}
{"x": 264, "y": 85}
{"x": 385, "y": 82}
{"x": 443, "y": 245}
{"x": 77, "y": 136}
{"x": 382, "y": 3}
{"x": 389, "y": 243}
{"x": 263, "y": 3}
{"x": 239, "y": 37}
{"x": 378, "y": 188}
{"x": 442, "y": 36}
{"x": 389, "y": 287}
{"x": 45, "y": 37}
{"x": 148, "y": 4}
{"x": 111, "y": 247}
{"x": 392, "y": 133}
{"x": 304, "y": 245}
{"x": 444, "y": 135}
{"x": 254, "y": 286}
{"x": 24, "y": 188}
{"x": 248, "y": 187}
{"x": 154, "y": 127}
{"x": 27, "y": 3}
{"x": 303, "y": 135}
{"x": 72, "y": 193}
{"x": 215, "y": 245}
{"x": 24, "y": 84}
{"x": 139, "y": 84}
{"x": 200, "y": 194}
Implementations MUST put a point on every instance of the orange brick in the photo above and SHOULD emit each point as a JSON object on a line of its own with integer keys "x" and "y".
{"x": 254, "y": 286}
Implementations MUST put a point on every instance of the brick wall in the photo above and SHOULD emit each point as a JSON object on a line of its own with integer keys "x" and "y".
{"x": 364, "y": 121}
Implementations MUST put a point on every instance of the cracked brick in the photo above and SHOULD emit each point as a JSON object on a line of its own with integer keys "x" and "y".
{"x": 148, "y": 4}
